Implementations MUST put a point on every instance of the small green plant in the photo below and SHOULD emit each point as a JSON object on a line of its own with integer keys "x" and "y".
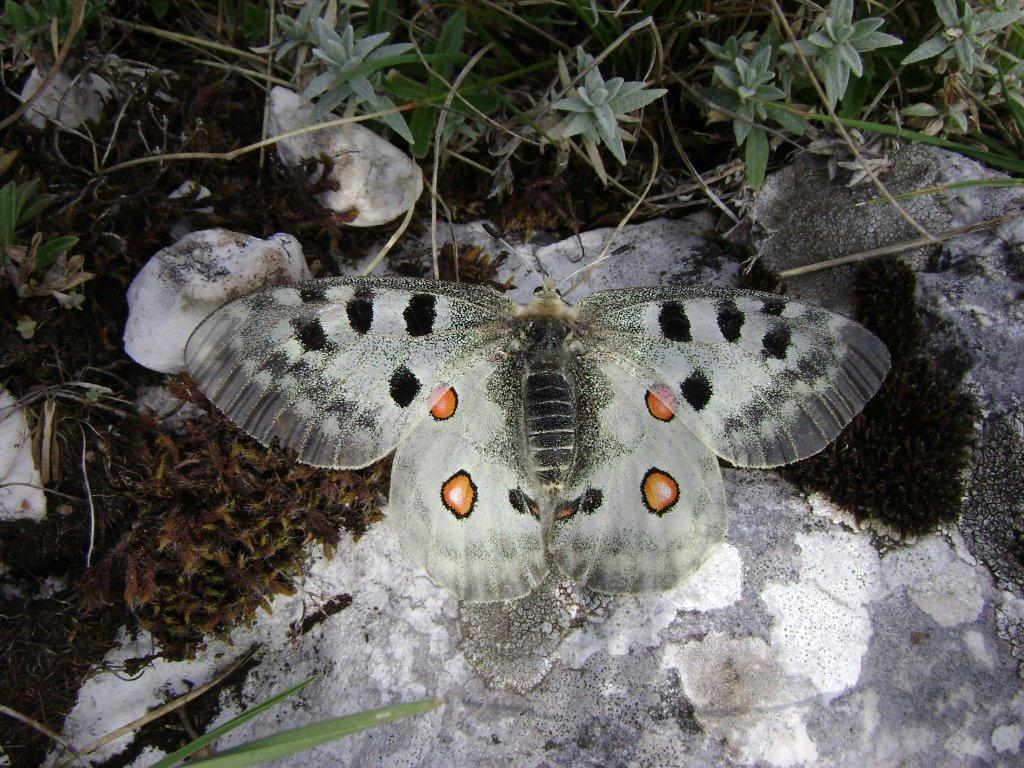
{"x": 23, "y": 21}
{"x": 19, "y": 206}
{"x": 744, "y": 90}
{"x": 835, "y": 44}
{"x": 964, "y": 36}
{"x": 298, "y": 30}
{"x": 595, "y": 108}
{"x": 352, "y": 77}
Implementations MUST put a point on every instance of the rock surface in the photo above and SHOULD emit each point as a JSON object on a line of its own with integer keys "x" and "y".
{"x": 66, "y": 101}
{"x": 802, "y": 641}
{"x": 21, "y": 490}
{"x": 183, "y": 283}
{"x": 372, "y": 177}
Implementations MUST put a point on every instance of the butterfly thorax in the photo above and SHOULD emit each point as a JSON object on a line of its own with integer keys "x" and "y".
{"x": 548, "y": 397}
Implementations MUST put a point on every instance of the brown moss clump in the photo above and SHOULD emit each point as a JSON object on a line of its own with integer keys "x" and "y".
{"x": 902, "y": 460}
{"x": 222, "y": 527}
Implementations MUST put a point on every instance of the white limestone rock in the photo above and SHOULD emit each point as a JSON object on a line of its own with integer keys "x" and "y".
{"x": 791, "y": 646}
{"x": 821, "y": 626}
{"x": 183, "y": 283}
{"x": 21, "y": 492}
{"x": 66, "y": 101}
{"x": 372, "y": 176}
{"x": 938, "y": 581}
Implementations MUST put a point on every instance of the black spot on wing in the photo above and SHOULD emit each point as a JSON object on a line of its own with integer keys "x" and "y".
{"x": 311, "y": 335}
{"x": 590, "y": 501}
{"x": 696, "y": 390}
{"x": 276, "y": 363}
{"x": 420, "y": 314}
{"x": 730, "y": 320}
{"x": 673, "y": 321}
{"x": 404, "y": 386}
{"x": 776, "y": 341}
{"x": 360, "y": 313}
{"x": 522, "y": 503}
{"x": 312, "y": 294}
{"x": 773, "y": 306}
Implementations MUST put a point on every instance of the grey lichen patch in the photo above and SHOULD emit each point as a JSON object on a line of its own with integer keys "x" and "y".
{"x": 993, "y": 519}
{"x": 803, "y": 217}
{"x": 992, "y": 523}
{"x": 510, "y": 644}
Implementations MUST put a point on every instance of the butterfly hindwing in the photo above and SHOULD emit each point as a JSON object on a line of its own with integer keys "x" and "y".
{"x": 463, "y": 503}
{"x": 762, "y": 380}
{"x": 340, "y": 368}
{"x": 642, "y": 504}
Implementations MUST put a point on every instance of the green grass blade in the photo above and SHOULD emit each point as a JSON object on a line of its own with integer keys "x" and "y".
{"x": 1013, "y": 106}
{"x": 8, "y": 213}
{"x": 306, "y": 736}
{"x": 949, "y": 187}
{"x": 255, "y": 711}
{"x": 1006, "y": 163}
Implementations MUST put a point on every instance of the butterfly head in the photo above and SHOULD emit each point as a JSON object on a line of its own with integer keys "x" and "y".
{"x": 548, "y": 301}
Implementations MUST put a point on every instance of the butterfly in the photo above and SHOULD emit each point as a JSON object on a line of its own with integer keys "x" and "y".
{"x": 584, "y": 436}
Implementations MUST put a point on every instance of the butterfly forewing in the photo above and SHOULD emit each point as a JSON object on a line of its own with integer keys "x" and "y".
{"x": 340, "y": 369}
{"x": 762, "y": 380}
{"x": 463, "y": 501}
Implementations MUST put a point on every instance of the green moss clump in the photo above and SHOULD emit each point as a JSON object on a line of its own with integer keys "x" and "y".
{"x": 902, "y": 460}
{"x": 223, "y": 523}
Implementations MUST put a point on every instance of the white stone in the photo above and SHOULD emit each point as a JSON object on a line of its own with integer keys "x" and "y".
{"x": 742, "y": 696}
{"x": 66, "y": 101}
{"x": 373, "y": 176}
{"x": 938, "y": 582}
{"x": 21, "y": 492}
{"x": 718, "y": 583}
{"x": 1006, "y": 738}
{"x": 975, "y": 642}
{"x": 821, "y": 625}
{"x": 183, "y": 283}
{"x": 188, "y": 188}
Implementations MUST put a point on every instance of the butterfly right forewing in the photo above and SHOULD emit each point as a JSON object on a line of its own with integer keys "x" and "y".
{"x": 760, "y": 379}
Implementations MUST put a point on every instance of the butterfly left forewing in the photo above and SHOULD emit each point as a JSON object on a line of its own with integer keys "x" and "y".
{"x": 340, "y": 368}
{"x": 463, "y": 502}
{"x": 642, "y": 505}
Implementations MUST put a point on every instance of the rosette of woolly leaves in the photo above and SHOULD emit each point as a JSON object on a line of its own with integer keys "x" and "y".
{"x": 596, "y": 107}
{"x": 835, "y": 44}
{"x": 352, "y": 76}
{"x": 300, "y": 30}
{"x": 964, "y": 36}
{"x": 743, "y": 89}
{"x": 731, "y": 48}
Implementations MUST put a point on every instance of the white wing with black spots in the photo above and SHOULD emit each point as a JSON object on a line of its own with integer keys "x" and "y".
{"x": 341, "y": 368}
{"x": 762, "y": 380}
{"x": 643, "y": 505}
{"x": 464, "y": 504}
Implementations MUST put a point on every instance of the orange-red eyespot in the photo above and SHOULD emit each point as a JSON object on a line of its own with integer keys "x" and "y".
{"x": 444, "y": 401}
{"x": 661, "y": 403}
{"x": 565, "y": 512}
{"x": 659, "y": 491}
{"x": 458, "y": 494}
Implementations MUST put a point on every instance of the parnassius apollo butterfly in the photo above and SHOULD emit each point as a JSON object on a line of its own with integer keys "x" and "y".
{"x": 581, "y": 436}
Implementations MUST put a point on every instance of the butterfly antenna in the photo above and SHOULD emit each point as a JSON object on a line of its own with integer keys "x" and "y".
{"x": 534, "y": 266}
{"x": 586, "y": 269}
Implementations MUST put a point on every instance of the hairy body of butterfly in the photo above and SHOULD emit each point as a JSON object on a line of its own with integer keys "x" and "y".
{"x": 581, "y": 435}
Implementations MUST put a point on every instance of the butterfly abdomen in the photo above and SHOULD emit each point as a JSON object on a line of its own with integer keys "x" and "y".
{"x": 549, "y": 403}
